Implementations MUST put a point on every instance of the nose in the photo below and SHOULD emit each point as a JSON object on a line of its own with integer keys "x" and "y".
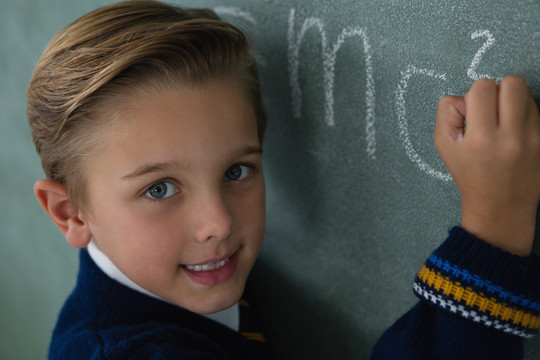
{"x": 212, "y": 218}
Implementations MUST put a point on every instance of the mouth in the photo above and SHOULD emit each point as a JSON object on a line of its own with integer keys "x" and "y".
{"x": 212, "y": 272}
{"x": 209, "y": 266}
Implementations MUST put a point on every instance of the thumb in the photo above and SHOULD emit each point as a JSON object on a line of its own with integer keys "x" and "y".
{"x": 450, "y": 120}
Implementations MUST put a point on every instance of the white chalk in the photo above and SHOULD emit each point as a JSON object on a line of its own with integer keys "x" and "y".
{"x": 329, "y": 61}
{"x": 236, "y": 12}
{"x": 490, "y": 41}
{"x": 403, "y": 123}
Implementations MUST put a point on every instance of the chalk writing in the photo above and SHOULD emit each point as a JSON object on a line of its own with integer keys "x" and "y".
{"x": 402, "y": 120}
{"x": 490, "y": 40}
{"x": 329, "y": 60}
{"x": 402, "y": 109}
{"x": 329, "y": 55}
{"x": 236, "y": 12}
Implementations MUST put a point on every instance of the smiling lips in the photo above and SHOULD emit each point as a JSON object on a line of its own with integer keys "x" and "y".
{"x": 207, "y": 267}
{"x": 212, "y": 274}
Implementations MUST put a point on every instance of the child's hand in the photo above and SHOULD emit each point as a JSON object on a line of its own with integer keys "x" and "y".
{"x": 490, "y": 142}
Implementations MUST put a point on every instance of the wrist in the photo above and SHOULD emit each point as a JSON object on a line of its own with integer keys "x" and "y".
{"x": 512, "y": 231}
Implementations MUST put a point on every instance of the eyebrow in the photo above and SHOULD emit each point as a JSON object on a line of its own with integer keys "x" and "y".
{"x": 151, "y": 168}
{"x": 165, "y": 166}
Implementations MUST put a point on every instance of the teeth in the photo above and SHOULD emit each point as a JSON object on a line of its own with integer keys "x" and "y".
{"x": 207, "y": 267}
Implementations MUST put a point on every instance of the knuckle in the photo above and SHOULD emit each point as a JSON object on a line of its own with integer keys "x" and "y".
{"x": 481, "y": 89}
{"x": 481, "y": 148}
{"x": 514, "y": 81}
{"x": 445, "y": 99}
{"x": 483, "y": 85}
{"x": 514, "y": 85}
{"x": 480, "y": 142}
{"x": 445, "y": 102}
{"x": 513, "y": 149}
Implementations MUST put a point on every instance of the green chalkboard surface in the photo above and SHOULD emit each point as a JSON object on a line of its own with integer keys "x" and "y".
{"x": 357, "y": 196}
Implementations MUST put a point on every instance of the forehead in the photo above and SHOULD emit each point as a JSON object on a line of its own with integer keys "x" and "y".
{"x": 181, "y": 125}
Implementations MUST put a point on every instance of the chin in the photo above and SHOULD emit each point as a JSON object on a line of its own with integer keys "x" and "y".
{"x": 212, "y": 303}
{"x": 222, "y": 303}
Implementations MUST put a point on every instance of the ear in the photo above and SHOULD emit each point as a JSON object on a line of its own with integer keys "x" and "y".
{"x": 52, "y": 196}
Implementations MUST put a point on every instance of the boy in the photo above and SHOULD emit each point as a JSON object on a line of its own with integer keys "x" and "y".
{"x": 149, "y": 123}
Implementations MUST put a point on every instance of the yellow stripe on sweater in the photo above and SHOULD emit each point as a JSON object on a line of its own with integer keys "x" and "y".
{"x": 256, "y": 336}
{"x": 243, "y": 302}
{"x": 478, "y": 300}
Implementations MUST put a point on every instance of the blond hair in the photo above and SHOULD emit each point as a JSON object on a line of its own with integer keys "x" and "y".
{"x": 117, "y": 49}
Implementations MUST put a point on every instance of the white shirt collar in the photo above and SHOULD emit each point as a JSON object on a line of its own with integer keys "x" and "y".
{"x": 229, "y": 317}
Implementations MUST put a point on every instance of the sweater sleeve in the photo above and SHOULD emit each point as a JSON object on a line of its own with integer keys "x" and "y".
{"x": 476, "y": 302}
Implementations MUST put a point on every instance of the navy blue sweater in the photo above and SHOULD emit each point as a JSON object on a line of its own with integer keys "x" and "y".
{"x": 476, "y": 302}
{"x": 103, "y": 319}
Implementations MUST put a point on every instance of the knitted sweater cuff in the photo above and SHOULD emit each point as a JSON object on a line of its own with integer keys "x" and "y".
{"x": 483, "y": 283}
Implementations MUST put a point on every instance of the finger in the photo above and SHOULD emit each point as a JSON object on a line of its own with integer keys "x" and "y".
{"x": 450, "y": 120}
{"x": 514, "y": 98}
{"x": 533, "y": 114}
{"x": 481, "y": 103}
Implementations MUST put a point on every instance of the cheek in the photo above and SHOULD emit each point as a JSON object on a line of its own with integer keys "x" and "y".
{"x": 140, "y": 236}
{"x": 253, "y": 213}
{"x": 161, "y": 234}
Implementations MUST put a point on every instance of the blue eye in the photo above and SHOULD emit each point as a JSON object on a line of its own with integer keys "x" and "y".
{"x": 161, "y": 190}
{"x": 237, "y": 172}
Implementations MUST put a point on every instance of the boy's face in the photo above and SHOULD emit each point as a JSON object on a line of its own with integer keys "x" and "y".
{"x": 177, "y": 197}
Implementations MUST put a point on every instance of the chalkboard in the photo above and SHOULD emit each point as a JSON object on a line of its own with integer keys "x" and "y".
{"x": 357, "y": 196}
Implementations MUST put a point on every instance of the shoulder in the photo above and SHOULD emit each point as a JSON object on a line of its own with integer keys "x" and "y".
{"x": 103, "y": 319}
{"x": 154, "y": 340}
{"x": 138, "y": 341}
